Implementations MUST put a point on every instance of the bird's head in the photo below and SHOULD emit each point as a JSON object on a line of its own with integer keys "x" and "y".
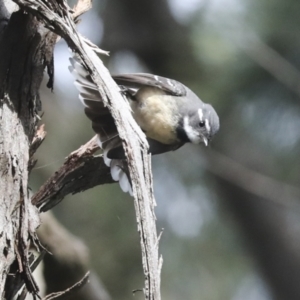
{"x": 201, "y": 124}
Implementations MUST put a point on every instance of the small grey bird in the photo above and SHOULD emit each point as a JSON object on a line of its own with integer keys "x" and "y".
{"x": 168, "y": 112}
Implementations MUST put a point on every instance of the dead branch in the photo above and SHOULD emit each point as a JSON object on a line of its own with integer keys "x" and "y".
{"x": 66, "y": 294}
{"x": 24, "y": 44}
{"x": 81, "y": 171}
{"x": 56, "y": 16}
{"x": 81, "y": 7}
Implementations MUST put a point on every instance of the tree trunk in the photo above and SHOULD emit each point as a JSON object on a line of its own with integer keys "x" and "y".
{"x": 25, "y": 49}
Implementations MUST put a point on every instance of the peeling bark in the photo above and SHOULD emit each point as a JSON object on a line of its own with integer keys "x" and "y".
{"x": 24, "y": 48}
{"x": 81, "y": 171}
{"x": 56, "y": 16}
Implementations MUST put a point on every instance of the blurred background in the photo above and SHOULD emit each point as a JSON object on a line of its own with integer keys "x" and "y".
{"x": 230, "y": 212}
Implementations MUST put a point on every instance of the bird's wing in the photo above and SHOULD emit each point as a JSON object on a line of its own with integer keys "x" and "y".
{"x": 138, "y": 80}
{"x": 155, "y": 147}
{"x": 102, "y": 122}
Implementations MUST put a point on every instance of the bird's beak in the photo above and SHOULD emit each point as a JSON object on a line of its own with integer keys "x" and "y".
{"x": 205, "y": 141}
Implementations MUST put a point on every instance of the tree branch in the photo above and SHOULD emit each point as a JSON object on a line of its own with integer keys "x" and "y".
{"x": 81, "y": 171}
{"x": 56, "y": 16}
{"x": 23, "y": 45}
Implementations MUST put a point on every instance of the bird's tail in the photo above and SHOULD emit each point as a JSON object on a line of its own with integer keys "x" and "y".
{"x": 102, "y": 122}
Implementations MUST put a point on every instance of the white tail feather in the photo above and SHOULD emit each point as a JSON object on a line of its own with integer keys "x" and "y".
{"x": 82, "y": 100}
{"x": 125, "y": 183}
{"x": 86, "y": 89}
{"x": 82, "y": 72}
{"x": 115, "y": 170}
{"x": 107, "y": 160}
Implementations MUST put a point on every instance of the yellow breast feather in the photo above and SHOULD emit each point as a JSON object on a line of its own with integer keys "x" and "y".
{"x": 156, "y": 115}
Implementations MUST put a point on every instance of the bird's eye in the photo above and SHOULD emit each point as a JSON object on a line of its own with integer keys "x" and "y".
{"x": 202, "y": 124}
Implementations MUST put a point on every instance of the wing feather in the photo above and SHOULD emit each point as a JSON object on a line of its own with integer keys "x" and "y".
{"x": 102, "y": 122}
{"x": 137, "y": 80}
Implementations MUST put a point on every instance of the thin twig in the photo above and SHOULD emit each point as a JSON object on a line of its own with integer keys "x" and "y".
{"x": 68, "y": 292}
{"x": 81, "y": 7}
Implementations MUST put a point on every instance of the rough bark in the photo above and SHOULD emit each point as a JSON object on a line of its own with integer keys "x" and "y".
{"x": 81, "y": 171}
{"x": 24, "y": 52}
{"x": 56, "y": 16}
{"x": 26, "y": 49}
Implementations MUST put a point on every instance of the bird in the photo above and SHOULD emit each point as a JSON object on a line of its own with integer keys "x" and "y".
{"x": 168, "y": 112}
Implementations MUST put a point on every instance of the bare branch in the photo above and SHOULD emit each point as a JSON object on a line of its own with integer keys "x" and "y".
{"x": 81, "y": 7}
{"x": 80, "y": 172}
{"x": 56, "y": 16}
{"x": 68, "y": 292}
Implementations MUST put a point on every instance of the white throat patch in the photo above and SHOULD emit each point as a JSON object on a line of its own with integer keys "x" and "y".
{"x": 192, "y": 134}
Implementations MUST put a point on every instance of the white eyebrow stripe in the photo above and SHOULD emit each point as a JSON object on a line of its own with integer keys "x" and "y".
{"x": 200, "y": 113}
{"x": 207, "y": 125}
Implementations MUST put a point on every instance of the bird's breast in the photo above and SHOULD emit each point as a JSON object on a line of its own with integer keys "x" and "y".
{"x": 156, "y": 113}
